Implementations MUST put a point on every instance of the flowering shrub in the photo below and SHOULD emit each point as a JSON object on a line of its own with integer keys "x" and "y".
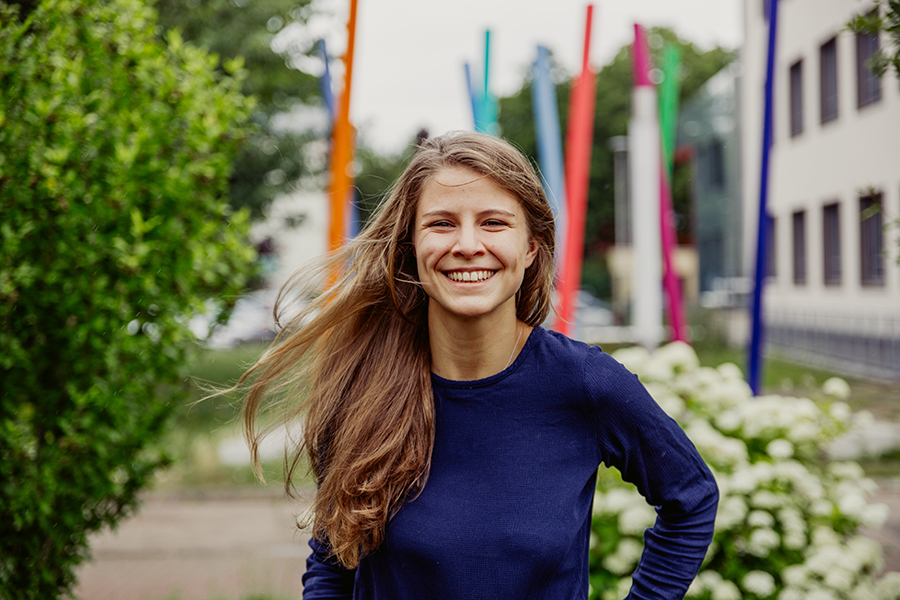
{"x": 788, "y": 521}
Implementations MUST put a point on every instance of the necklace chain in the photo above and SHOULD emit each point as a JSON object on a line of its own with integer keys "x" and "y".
{"x": 516, "y": 345}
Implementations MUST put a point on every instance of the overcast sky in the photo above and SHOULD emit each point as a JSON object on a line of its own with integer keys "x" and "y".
{"x": 408, "y": 66}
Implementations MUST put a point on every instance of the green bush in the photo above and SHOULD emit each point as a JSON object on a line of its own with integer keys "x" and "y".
{"x": 115, "y": 152}
{"x": 789, "y": 520}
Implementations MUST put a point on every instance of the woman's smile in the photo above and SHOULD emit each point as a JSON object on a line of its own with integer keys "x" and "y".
{"x": 469, "y": 276}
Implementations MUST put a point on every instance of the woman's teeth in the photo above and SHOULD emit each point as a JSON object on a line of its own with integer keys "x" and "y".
{"x": 469, "y": 275}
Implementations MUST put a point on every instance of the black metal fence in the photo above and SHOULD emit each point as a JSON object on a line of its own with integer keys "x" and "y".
{"x": 864, "y": 346}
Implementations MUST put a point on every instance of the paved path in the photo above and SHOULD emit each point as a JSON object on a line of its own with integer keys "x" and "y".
{"x": 225, "y": 546}
{"x": 231, "y": 546}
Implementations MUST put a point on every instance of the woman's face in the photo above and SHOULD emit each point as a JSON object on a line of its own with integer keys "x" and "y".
{"x": 472, "y": 246}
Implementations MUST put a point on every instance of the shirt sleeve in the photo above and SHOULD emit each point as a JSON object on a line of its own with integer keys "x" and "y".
{"x": 652, "y": 451}
{"x": 325, "y": 577}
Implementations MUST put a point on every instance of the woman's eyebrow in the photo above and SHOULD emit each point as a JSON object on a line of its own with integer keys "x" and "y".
{"x": 496, "y": 211}
{"x": 437, "y": 213}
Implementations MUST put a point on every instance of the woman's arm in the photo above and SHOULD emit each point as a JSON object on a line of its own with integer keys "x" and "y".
{"x": 653, "y": 452}
{"x": 325, "y": 577}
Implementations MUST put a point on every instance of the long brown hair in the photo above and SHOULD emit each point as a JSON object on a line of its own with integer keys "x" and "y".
{"x": 355, "y": 363}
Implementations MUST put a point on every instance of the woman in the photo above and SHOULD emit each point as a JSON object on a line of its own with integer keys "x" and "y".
{"x": 454, "y": 441}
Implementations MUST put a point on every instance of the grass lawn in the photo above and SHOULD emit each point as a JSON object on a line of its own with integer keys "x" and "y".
{"x": 204, "y": 422}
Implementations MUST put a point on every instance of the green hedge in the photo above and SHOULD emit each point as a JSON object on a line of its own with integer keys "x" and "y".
{"x": 115, "y": 152}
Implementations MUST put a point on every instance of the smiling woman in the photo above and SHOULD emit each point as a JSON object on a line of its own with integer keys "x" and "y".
{"x": 455, "y": 442}
{"x": 472, "y": 244}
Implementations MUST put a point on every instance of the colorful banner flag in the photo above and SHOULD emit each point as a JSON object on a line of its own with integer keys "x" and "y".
{"x": 754, "y": 359}
{"x": 579, "y": 140}
{"x": 342, "y": 146}
{"x": 549, "y": 143}
{"x": 668, "y": 121}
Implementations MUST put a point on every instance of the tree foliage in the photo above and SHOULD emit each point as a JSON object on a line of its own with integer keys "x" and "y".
{"x": 271, "y": 160}
{"x": 884, "y": 16}
{"x": 115, "y": 150}
{"x": 611, "y": 119}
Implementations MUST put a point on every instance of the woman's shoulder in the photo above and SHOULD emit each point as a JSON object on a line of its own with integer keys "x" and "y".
{"x": 585, "y": 362}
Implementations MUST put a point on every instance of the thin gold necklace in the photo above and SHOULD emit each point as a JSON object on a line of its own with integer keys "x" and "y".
{"x": 516, "y": 345}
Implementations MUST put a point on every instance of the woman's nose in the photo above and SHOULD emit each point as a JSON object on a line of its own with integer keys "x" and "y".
{"x": 468, "y": 242}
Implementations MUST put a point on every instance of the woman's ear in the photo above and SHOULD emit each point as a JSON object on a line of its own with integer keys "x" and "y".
{"x": 532, "y": 252}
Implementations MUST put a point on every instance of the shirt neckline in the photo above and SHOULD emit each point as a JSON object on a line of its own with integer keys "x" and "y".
{"x": 530, "y": 341}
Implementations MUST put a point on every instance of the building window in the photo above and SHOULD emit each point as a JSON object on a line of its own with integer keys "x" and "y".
{"x": 799, "y": 228}
{"x": 868, "y": 85}
{"x": 796, "y": 98}
{"x": 871, "y": 242}
{"x": 828, "y": 87}
{"x": 771, "y": 262}
{"x": 831, "y": 244}
{"x": 716, "y": 160}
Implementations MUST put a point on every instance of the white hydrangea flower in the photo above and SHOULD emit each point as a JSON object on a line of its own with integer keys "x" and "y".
{"x": 795, "y": 575}
{"x": 820, "y": 593}
{"x": 781, "y": 501}
{"x": 730, "y": 370}
{"x": 616, "y": 564}
{"x": 822, "y": 507}
{"x": 825, "y": 559}
{"x": 836, "y": 388}
{"x": 656, "y": 369}
{"x": 720, "y": 451}
{"x": 804, "y": 483}
{"x": 679, "y": 355}
{"x": 728, "y": 421}
{"x": 840, "y": 579}
{"x": 852, "y": 504}
{"x": 888, "y": 587}
{"x": 635, "y": 519}
{"x": 759, "y": 583}
{"x": 846, "y": 469}
{"x": 790, "y": 593}
{"x": 840, "y": 411}
{"x": 625, "y": 558}
{"x": 623, "y": 587}
{"x": 864, "y": 590}
{"x": 768, "y": 499}
{"x": 726, "y": 590}
{"x": 780, "y": 449}
{"x": 633, "y": 358}
{"x": 824, "y": 536}
{"x": 863, "y": 418}
{"x": 618, "y": 499}
{"x": 760, "y": 518}
{"x": 695, "y": 590}
{"x": 866, "y": 552}
{"x": 804, "y": 431}
{"x": 762, "y": 542}
{"x": 732, "y": 511}
{"x": 794, "y": 540}
{"x": 710, "y": 578}
{"x": 671, "y": 404}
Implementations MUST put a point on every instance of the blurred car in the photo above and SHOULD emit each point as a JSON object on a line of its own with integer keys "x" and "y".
{"x": 590, "y": 311}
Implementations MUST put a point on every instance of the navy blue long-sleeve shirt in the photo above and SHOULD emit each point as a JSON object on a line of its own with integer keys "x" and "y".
{"x": 506, "y": 511}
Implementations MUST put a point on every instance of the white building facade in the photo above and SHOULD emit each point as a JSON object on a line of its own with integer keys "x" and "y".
{"x": 833, "y": 293}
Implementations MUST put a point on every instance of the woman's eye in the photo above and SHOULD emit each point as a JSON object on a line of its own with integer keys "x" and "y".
{"x": 495, "y": 223}
{"x": 441, "y": 224}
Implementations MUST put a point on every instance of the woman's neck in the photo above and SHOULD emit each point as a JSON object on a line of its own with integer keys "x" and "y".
{"x": 466, "y": 350}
